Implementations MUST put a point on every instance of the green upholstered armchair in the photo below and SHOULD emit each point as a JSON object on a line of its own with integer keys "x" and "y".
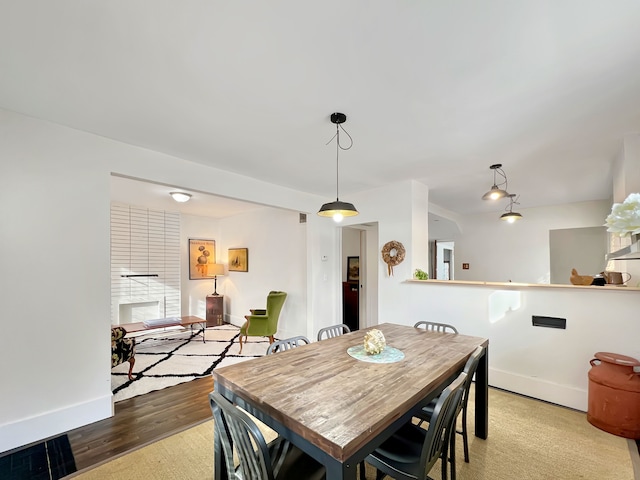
{"x": 264, "y": 322}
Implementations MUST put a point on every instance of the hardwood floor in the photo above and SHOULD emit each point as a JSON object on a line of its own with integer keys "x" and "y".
{"x": 142, "y": 420}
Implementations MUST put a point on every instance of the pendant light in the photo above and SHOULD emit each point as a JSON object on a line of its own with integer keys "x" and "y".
{"x": 338, "y": 210}
{"x": 511, "y": 216}
{"x": 496, "y": 192}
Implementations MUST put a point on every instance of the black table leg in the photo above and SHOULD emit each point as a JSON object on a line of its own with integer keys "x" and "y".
{"x": 482, "y": 396}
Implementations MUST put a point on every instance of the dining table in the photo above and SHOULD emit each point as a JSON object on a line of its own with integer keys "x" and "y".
{"x": 337, "y": 403}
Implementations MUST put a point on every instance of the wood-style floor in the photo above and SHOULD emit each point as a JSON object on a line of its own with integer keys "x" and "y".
{"x": 142, "y": 420}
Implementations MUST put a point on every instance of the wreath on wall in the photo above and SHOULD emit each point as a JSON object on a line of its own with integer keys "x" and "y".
{"x": 393, "y": 254}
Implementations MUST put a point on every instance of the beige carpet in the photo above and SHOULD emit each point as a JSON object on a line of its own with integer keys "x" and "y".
{"x": 528, "y": 439}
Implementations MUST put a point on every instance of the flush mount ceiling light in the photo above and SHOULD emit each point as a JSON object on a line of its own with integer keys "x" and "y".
{"x": 180, "y": 197}
{"x": 511, "y": 216}
{"x": 496, "y": 192}
{"x": 338, "y": 210}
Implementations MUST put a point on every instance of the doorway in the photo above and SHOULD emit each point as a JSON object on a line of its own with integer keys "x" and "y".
{"x": 442, "y": 233}
{"x": 443, "y": 260}
{"x": 359, "y": 287}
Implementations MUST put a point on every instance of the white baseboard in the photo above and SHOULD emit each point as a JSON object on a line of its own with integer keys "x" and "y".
{"x": 567, "y": 396}
{"x": 235, "y": 320}
{"x": 41, "y": 427}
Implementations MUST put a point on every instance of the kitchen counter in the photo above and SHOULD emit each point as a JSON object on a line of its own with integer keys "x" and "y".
{"x": 517, "y": 286}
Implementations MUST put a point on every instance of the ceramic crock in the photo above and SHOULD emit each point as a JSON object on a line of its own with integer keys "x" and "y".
{"x": 614, "y": 394}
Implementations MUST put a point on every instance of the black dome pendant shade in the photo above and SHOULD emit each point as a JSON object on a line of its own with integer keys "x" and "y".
{"x": 511, "y": 216}
{"x": 332, "y": 208}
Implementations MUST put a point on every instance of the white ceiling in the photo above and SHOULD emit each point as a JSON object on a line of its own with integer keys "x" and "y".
{"x": 434, "y": 90}
{"x": 157, "y": 196}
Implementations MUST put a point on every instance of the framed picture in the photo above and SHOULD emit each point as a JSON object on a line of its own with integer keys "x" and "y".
{"x": 238, "y": 259}
{"x": 353, "y": 269}
{"x": 202, "y": 254}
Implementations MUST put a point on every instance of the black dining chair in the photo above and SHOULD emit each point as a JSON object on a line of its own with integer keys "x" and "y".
{"x": 427, "y": 412}
{"x": 436, "y": 327}
{"x": 412, "y": 451}
{"x": 257, "y": 460}
{"x": 333, "y": 331}
{"x": 287, "y": 344}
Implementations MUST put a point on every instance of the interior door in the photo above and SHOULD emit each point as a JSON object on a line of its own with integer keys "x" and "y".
{"x": 361, "y": 241}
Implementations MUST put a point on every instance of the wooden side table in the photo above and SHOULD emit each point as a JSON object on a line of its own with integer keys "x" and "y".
{"x": 215, "y": 310}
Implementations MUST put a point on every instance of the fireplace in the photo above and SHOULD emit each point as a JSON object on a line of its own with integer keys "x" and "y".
{"x": 132, "y": 310}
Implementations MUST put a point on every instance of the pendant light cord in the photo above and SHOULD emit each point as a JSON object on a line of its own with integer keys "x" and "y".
{"x": 512, "y": 202}
{"x": 503, "y": 175}
{"x": 338, "y": 148}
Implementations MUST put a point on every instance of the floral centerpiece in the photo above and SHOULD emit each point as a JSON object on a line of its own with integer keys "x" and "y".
{"x": 624, "y": 218}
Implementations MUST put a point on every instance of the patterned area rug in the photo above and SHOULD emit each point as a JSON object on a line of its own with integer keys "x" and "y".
{"x": 172, "y": 356}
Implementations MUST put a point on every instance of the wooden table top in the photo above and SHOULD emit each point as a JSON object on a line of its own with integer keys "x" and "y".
{"x": 338, "y": 402}
{"x": 139, "y": 326}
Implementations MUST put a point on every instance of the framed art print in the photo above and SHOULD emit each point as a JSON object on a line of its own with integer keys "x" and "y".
{"x": 202, "y": 254}
{"x": 353, "y": 269}
{"x": 238, "y": 259}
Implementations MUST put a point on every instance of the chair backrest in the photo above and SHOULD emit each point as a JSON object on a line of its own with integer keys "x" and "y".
{"x": 238, "y": 432}
{"x": 275, "y": 301}
{"x": 117, "y": 333}
{"x": 287, "y": 344}
{"x": 436, "y": 327}
{"x": 470, "y": 369}
{"x": 333, "y": 331}
{"x": 442, "y": 423}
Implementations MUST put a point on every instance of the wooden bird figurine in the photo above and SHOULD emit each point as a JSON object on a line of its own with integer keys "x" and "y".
{"x": 576, "y": 279}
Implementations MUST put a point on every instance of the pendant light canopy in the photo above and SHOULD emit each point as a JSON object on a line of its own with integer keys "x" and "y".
{"x": 496, "y": 192}
{"x": 511, "y": 216}
{"x": 338, "y": 210}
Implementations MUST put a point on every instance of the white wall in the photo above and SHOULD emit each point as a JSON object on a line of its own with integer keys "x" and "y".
{"x": 54, "y": 264}
{"x": 545, "y": 363}
{"x": 394, "y": 207}
{"x": 498, "y": 251}
{"x": 277, "y": 244}
{"x": 194, "y": 292}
